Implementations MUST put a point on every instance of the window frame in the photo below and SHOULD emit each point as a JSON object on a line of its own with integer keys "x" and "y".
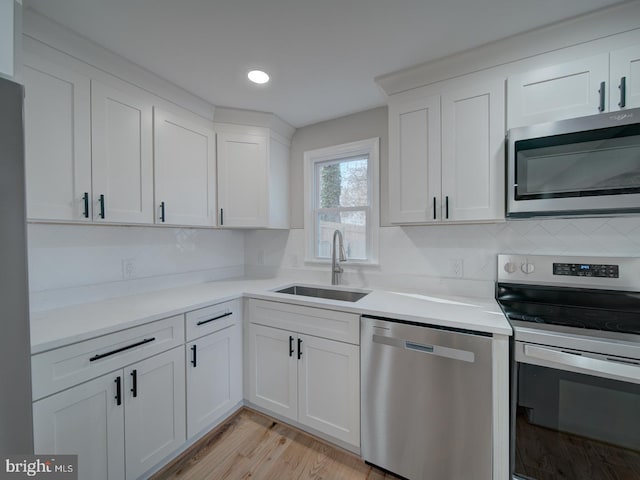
{"x": 370, "y": 148}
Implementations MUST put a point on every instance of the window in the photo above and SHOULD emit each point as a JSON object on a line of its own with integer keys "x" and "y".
{"x": 342, "y": 194}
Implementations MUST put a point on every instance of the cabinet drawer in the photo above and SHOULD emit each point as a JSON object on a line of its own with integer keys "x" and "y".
{"x": 319, "y": 322}
{"x": 65, "y": 367}
{"x": 211, "y": 319}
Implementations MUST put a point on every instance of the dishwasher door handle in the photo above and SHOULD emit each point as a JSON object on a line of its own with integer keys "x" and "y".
{"x": 437, "y": 350}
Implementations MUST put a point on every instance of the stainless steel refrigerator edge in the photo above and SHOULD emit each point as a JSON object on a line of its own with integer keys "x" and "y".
{"x": 16, "y": 422}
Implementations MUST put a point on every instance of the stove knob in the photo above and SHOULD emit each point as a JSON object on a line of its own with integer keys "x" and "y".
{"x": 510, "y": 267}
{"x": 527, "y": 268}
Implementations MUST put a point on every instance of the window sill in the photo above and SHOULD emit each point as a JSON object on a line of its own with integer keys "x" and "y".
{"x": 348, "y": 263}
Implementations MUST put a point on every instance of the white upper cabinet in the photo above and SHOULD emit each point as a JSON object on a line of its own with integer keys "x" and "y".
{"x": 57, "y": 141}
{"x": 625, "y": 78}
{"x": 414, "y": 151}
{"x": 473, "y": 129}
{"x": 446, "y": 152}
{"x": 185, "y": 169}
{"x": 121, "y": 155}
{"x": 253, "y": 178}
{"x": 568, "y": 90}
{"x": 607, "y": 82}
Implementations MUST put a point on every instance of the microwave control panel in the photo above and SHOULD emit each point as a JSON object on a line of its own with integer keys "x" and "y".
{"x": 586, "y": 270}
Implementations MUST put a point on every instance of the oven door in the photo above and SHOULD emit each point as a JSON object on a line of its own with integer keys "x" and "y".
{"x": 576, "y": 415}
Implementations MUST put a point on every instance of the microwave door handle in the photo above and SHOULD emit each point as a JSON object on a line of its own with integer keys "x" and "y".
{"x": 581, "y": 364}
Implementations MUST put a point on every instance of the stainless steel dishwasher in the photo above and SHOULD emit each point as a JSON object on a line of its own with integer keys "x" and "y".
{"x": 426, "y": 400}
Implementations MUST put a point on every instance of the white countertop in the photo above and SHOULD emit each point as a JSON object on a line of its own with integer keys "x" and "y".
{"x": 63, "y": 326}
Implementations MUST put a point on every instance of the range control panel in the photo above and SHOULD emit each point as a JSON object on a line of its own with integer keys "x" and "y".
{"x": 586, "y": 270}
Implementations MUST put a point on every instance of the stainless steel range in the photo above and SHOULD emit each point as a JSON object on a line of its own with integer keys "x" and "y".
{"x": 576, "y": 365}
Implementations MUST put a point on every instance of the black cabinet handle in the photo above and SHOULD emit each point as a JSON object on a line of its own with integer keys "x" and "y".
{"x": 446, "y": 206}
{"x": 113, "y": 352}
{"x": 623, "y": 92}
{"x": 134, "y": 383}
{"x": 101, "y": 202}
{"x": 162, "y": 212}
{"x": 85, "y": 198}
{"x": 299, "y": 348}
{"x": 202, "y": 322}
{"x": 601, "y": 92}
{"x": 221, "y": 216}
{"x": 118, "y": 390}
{"x": 290, "y": 346}
{"x": 194, "y": 360}
{"x": 434, "y": 208}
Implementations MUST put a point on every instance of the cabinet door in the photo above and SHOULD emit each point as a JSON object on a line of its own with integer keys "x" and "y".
{"x": 273, "y": 370}
{"x": 85, "y": 421}
{"x": 554, "y": 93}
{"x": 329, "y": 388}
{"x": 121, "y": 154}
{"x": 242, "y": 180}
{"x": 214, "y": 377}
{"x": 184, "y": 170}
{"x": 473, "y": 151}
{"x": 154, "y": 400}
{"x": 57, "y": 142}
{"x": 414, "y": 160}
{"x": 625, "y": 67}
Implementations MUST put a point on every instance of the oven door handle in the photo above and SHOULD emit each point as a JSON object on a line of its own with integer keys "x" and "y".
{"x": 548, "y": 357}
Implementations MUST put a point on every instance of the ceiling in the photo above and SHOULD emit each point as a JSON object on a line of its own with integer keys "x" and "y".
{"x": 322, "y": 55}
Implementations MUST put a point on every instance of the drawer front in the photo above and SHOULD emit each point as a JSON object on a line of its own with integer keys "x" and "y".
{"x": 212, "y": 319}
{"x": 65, "y": 367}
{"x": 319, "y": 322}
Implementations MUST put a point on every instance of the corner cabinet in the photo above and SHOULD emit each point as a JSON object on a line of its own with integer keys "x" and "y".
{"x": 306, "y": 378}
{"x": 253, "y": 177}
{"x": 184, "y": 169}
{"x": 446, "y": 152}
{"x": 606, "y": 82}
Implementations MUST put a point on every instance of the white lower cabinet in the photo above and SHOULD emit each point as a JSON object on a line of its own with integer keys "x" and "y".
{"x": 85, "y": 421}
{"x": 120, "y": 424}
{"x": 310, "y": 380}
{"x": 214, "y": 377}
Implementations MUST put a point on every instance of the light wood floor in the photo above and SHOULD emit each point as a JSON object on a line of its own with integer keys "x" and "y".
{"x": 253, "y": 446}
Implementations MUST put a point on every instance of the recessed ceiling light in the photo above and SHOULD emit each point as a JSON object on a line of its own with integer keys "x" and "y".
{"x": 258, "y": 76}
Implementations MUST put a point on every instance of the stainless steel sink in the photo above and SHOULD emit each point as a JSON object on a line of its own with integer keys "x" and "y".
{"x": 328, "y": 293}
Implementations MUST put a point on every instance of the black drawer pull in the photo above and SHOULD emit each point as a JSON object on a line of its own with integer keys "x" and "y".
{"x": 601, "y": 92}
{"x": 202, "y": 322}
{"x": 101, "y": 201}
{"x": 446, "y": 207}
{"x": 434, "y": 208}
{"x": 134, "y": 383}
{"x": 290, "y": 346}
{"x": 118, "y": 381}
{"x": 162, "y": 217}
{"x": 193, "y": 357}
{"x": 299, "y": 348}
{"x": 221, "y": 216}
{"x": 113, "y": 352}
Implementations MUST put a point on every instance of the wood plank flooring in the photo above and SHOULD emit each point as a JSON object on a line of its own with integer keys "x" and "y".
{"x": 253, "y": 446}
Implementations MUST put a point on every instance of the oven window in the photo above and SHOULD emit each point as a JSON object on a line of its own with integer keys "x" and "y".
{"x": 597, "y": 162}
{"x": 574, "y": 426}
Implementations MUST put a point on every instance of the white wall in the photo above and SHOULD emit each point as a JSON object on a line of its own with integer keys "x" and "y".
{"x": 71, "y": 264}
{"x": 7, "y": 38}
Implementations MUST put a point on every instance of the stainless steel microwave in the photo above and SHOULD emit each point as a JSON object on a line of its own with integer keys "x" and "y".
{"x": 584, "y": 166}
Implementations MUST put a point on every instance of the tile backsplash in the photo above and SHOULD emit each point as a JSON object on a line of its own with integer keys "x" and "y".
{"x": 428, "y": 257}
{"x": 71, "y": 264}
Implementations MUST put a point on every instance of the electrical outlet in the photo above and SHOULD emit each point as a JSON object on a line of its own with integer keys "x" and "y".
{"x": 456, "y": 266}
{"x": 128, "y": 268}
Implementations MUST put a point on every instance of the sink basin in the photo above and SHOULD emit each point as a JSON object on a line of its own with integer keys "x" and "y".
{"x": 328, "y": 293}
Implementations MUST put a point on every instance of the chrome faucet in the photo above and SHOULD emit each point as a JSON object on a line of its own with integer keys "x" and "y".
{"x": 336, "y": 269}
